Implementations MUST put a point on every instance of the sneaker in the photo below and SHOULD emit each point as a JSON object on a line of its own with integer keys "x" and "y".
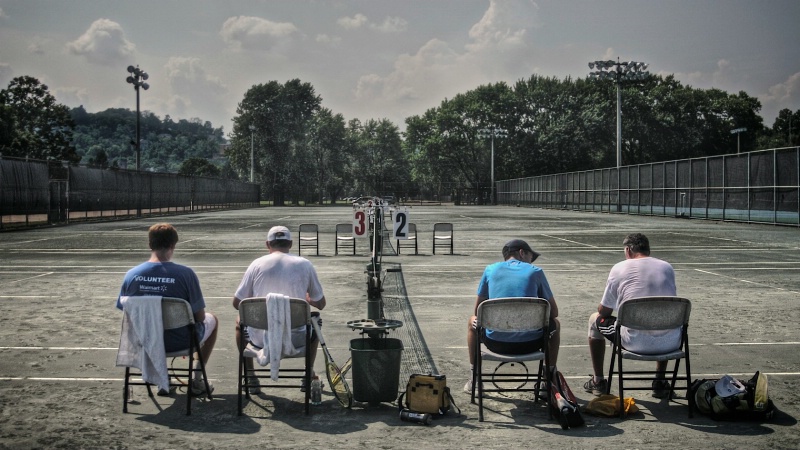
{"x": 596, "y": 388}
{"x": 661, "y": 388}
{"x": 198, "y": 388}
{"x": 254, "y": 383}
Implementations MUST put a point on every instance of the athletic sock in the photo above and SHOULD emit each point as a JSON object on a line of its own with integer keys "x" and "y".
{"x": 598, "y": 379}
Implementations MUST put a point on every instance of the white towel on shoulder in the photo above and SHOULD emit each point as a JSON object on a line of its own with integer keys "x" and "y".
{"x": 278, "y": 336}
{"x": 141, "y": 342}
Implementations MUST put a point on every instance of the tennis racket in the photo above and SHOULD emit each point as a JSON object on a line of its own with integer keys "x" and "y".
{"x": 339, "y": 385}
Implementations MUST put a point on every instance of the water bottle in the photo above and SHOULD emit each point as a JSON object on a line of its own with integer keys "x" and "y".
{"x": 411, "y": 416}
{"x": 316, "y": 391}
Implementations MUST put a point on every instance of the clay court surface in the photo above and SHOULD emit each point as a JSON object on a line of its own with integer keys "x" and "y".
{"x": 59, "y": 331}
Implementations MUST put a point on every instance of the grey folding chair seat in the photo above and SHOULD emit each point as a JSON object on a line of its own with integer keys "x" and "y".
{"x": 652, "y": 313}
{"x": 511, "y": 314}
{"x": 253, "y": 313}
{"x": 344, "y": 237}
{"x": 176, "y": 313}
{"x": 443, "y": 236}
{"x": 308, "y": 237}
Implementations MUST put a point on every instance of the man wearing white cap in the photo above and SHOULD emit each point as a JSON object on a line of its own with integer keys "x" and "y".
{"x": 515, "y": 276}
{"x": 279, "y": 272}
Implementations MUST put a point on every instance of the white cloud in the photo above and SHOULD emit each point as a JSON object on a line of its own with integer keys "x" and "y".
{"x": 245, "y": 32}
{"x": 72, "y": 95}
{"x": 499, "y": 49}
{"x": 194, "y": 91}
{"x": 104, "y": 42}
{"x": 390, "y": 25}
{"x": 3, "y": 14}
{"x": 326, "y": 39}
{"x": 351, "y": 23}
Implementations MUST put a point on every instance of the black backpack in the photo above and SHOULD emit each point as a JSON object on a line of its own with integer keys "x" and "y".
{"x": 752, "y": 404}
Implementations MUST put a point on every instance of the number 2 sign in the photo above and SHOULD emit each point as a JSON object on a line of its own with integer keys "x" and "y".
{"x": 401, "y": 221}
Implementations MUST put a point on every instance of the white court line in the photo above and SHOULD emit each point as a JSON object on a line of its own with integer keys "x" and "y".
{"x": 195, "y": 239}
{"x": 748, "y": 281}
{"x": 711, "y": 237}
{"x": 567, "y": 240}
{"x": 250, "y": 226}
{"x": 28, "y": 278}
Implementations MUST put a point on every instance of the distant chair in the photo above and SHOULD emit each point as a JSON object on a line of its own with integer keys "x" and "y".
{"x": 411, "y": 241}
{"x": 309, "y": 239}
{"x": 443, "y": 236}
{"x": 344, "y": 237}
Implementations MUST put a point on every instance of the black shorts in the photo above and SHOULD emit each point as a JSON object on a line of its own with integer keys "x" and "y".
{"x": 513, "y": 348}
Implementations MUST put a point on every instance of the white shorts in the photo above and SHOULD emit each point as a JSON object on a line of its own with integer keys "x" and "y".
{"x": 210, "y": 324}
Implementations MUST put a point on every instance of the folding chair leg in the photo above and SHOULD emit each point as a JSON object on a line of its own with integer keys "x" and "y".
{"x": 125, "y": 391}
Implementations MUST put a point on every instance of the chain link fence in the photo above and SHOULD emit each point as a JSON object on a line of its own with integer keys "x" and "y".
{"x": 758, "y": 187}
{"x": 40, "y": 192}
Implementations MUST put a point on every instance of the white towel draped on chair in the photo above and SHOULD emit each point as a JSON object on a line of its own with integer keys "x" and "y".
{"x": 278, "y": 336}
{"x": 141, "y": 343}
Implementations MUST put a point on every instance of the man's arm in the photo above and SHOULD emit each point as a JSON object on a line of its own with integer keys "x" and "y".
{"x": 236, "y": 302}
{"x": 200, "y": 315}
{"x": 604, "y": 311}
{"x": 553, "y": 307}
{"x": 319, "y": 304}
{"x": 478, "y": 301}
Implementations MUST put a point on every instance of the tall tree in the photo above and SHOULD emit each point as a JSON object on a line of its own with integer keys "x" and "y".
{"x": 279, "y": 115}
{"x": 43, "y": 127}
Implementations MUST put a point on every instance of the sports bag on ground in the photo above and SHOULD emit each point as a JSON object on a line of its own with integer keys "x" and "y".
{"x": 727, "y": 398}
{"x": 427, "y": 394}
{"x": 563, "y": 403}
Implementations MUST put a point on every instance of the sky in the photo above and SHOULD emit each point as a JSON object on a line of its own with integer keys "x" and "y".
{"x": 386, "y": 59}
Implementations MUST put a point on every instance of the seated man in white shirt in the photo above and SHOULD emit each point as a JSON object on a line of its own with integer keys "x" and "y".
{"x": 640, "y": 275}
{"x": 279, "y": 272}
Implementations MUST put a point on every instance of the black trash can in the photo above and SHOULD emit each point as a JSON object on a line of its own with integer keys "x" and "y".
{"x": 376, "y": 369}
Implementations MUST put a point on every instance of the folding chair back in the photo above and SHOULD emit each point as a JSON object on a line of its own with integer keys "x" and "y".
{"x": 344, "y": 237}
{"x": 517, "y": 314}
{"x": 253, "y": 313}
{"x": 652, "y": 314}
{"x": 308, "y": 237}
{"x": 175, "y": 313}
{"x": 411, "y": 241}
{"x": 443, "y": 236}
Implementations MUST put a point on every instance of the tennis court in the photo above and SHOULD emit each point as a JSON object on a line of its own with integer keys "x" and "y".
{"x": 59, "y": 330}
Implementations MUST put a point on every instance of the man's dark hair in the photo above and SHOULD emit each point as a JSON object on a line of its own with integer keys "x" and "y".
{"x": 638, "y": 243}
{"x": 282, "y": 244}
{"x": 162, "y": 236}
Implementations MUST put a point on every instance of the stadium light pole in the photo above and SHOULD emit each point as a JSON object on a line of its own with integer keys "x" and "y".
{"x": 618, "y": 72}
{"x": 491, "y": 133}
{"x": 737, "y": 132}
{"x": 252, "y": 155}
{"x": 137, "y": 78}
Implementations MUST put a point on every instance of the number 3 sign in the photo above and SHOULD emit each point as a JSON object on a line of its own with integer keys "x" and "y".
{"x": 360, "y": 223}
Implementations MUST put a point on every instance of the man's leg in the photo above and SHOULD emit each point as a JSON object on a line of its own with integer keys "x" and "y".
{"x": 555, "y": 343}
{"x": 208, "y": 345}
{"x": 597, "y": 351}
{"x": 472, "y": 340}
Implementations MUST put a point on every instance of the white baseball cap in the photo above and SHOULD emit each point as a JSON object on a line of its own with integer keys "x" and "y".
{"x": 279, "y": 233}
{"x": 727, "y": 386}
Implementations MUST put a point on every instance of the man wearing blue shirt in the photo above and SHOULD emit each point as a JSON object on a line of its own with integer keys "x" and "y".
{"x": 515, "y": 276}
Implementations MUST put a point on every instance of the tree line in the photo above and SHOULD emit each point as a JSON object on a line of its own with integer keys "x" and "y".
{"x": 304, "y": 152}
